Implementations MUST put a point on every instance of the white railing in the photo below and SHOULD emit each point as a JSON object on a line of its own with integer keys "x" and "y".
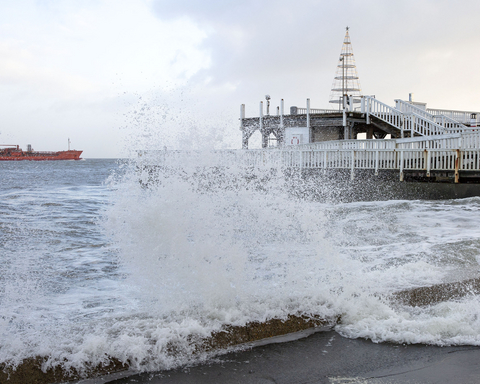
{"x": 374, "y": 159}
{"x": 383, "y": 112}
{"x": 419, "y": 124}
{"x": 463, "y": 117}
{"x": 450, "y": 124}
{"x": 406, "y": 107}
{"x": 448, "y": 141}
{"x": 349, "y": 144}
{"x": 412, "y": 121}
{"x": 465, "y": 140}
{"x": 445, "y": 121}
{"x": 453, "y": 153}
{"x": 303, "y": 111}
{"x": 470, "y": 140}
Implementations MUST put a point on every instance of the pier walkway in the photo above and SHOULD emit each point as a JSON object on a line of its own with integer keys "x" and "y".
{"x": 449, "y": 157}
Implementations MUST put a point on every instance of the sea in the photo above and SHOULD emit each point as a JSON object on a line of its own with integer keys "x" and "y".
{"x": 109, "y": 258}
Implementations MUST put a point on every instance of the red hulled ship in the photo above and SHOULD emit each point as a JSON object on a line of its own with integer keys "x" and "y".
{"x": 15, "y": 153}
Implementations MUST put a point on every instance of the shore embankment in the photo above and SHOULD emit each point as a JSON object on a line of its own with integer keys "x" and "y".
{"x": 30, "y": 371}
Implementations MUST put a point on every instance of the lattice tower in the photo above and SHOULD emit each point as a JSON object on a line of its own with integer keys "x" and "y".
{"x": 346, "y": 82}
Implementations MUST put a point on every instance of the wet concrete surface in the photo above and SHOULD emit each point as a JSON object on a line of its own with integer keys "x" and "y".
{"x": 326, "y": 357}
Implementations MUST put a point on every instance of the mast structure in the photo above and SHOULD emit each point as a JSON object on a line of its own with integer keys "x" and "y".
{"x": 346, "y": 84}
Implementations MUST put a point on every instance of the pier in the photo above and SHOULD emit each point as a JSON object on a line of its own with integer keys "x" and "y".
{"x": 416, "y": 142}
{"x": 424, "y": 144}
{"x": 360, "y": 136}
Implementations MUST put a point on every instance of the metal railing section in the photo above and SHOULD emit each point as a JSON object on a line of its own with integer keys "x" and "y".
{"x": 450, "y": 124}
{"x": 445, "y": 121}
{"x": 449, "y": 152}
{"x": 470, "y": 140}
{"x": 383, "y": 112}
{"x": 463, "y": 117}
{"x": 403, "y": 121}
{"x": 406, "y": 107}
{"x": 349, "y": 144}
{"x": 374, "y": 159}
{"x": 419, "y": 124}
{"x": 303, "y": 111}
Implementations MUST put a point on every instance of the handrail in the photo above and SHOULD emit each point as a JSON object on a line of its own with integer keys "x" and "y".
{"x": 384, "y": 112}
{"x": 458, "y": 116}
{"x": 303, "y": 111}
{"x": 453, "y": 125}
{"x": 406, "y": 107}
{"x": 448, "y": 123}
{"x": 445, "y": 152}
{"x": 426, "y": 158}
{"x": 411, "y": 121}
{"x": 422, "y": 126}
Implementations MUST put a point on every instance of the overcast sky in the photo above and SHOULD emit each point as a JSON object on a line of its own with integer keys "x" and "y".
{"x": 114, "y": 75}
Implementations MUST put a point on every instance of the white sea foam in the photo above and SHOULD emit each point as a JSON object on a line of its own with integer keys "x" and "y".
{"x": 223, "y": 255}
{"x": 207, "y": 245}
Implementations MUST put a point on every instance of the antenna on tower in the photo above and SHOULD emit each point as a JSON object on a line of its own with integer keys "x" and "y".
{"x": 346, "y": 85}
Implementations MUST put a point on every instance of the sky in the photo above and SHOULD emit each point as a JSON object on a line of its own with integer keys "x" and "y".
{"x": 115, "y": 76}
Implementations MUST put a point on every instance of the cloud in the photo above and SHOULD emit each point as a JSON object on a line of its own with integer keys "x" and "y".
{"x": 284, "y": 48}
{"x": 83, "y": 64}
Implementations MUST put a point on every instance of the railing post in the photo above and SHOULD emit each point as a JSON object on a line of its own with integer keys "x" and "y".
{"x": 425, "y": 160}
{"x": 242, "y": 128}
{"x": 376, "y": 162}
{"x": 308, "y": 122}
{"x": 281, "y": 113}
{"x": 352, "y": 169}
{"x": 262, "y": 131}
{"x": 401, "y": 165}
{"x": 325, "y": 162}
{"x": 368, "y": 111}
{"x": 458, "y": 154}
{"x": 282, "y": 127}
{"x": 429, "y": 160}
{"x": 362, "y": 109}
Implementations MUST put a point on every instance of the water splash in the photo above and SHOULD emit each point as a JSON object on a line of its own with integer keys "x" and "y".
{"x": 203, "y": 240}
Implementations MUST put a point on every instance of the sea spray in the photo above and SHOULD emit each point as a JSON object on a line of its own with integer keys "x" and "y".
{"x": 215, "y": 243}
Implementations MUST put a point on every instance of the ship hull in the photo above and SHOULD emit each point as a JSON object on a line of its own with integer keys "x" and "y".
{"x": 40, "y": 156}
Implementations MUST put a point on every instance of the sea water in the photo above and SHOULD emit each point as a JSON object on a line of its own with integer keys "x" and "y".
{"x": 104, "y": 258}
